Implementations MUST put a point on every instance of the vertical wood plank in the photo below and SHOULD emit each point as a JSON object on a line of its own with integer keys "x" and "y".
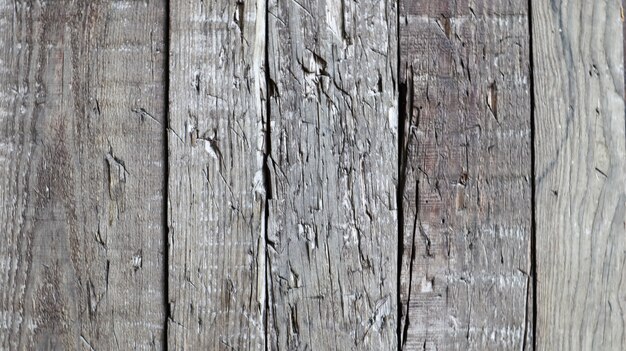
{"x": 81, "y": 175}
{"x": 216, "y": 188}
{"x": 332, "y": 230}
{"x": 465, "y": 272}
{"x": 580, "y": 175}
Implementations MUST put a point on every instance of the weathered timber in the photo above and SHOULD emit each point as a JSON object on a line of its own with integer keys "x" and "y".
{"x": 81, "y": 175}
{"x": 580, "y": 174}
{"x": 466, "y": 194}
{"x": 216, "y": 196}
{"x": 332, "y": 225}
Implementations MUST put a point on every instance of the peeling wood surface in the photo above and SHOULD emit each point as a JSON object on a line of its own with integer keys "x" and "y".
{"x": 216, "y": 194}
{"x": 580, "y": 175}
{"x": 81, "y": 175}
{"x": 332, "y": 226}
{"x": 466, "y": 170}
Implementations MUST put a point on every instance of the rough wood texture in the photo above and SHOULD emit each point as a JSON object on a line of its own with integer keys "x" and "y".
{"x": 332, "y": 226}
{"x": 81, "y": 178}
{"x": 466, "y": 196}
{"x": 216, "y": 184}
{"x": 580, "y": 175}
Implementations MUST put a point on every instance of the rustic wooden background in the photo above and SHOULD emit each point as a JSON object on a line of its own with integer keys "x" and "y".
{"x": 312, "y": 175}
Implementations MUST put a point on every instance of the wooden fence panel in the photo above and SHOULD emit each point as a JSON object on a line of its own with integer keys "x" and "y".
{"x": 216, "y": 198}
{"x": 81, "y": 175}
{"x": 580, "y": 174}
{"x": 466, "y": 171}
{"x": 332, "y": 225}
{"x": 312, "y": 175}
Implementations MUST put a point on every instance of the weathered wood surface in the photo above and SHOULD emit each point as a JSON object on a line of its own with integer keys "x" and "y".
{"x": 332, "y": 226}
{"x": 580, "y": 175}
{"x": 305, "y": 193}
{"x": 81, "y": 175}
{"x": 466, "y": 165}
{"x": 216, "y": 197}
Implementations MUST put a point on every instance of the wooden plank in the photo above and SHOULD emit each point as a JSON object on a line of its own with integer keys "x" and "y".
{"x": 580, "y": 175}
{"x": 332, "y": 226}
{"x": 81, "y": 178}
{"x": 465, "y": 271}
{"x": 216, "y": 191}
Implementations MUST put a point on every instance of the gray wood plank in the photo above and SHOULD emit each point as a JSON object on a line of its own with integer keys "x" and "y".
{"x": 466, "y": 195}
{"x": 81, "y": 177}
{"x": 580, "y": 174}
{"x": 216, "y": 206}
{"x": 332, "y": 225}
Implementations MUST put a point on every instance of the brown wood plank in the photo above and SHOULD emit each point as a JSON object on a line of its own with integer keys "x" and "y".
{"x": 465, "y": 272}
{"x": 216, "y": 194}
{"x": 332, "y": 226}
{"x": 81, "y": 175}
{"x": 580, "y": 175}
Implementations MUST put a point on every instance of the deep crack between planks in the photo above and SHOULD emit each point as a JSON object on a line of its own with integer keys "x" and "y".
{"x": 533, "y": 228}
{"x": 267, "y": 149}
{"x": 401, "y": 180}
{"x": 166, "y": 173}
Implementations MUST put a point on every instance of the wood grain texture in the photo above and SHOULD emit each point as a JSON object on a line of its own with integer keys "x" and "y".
{"x": 332, "y": 225}
{"x": 81, "y": 178}
{"x": 580, "y": 175}
{"x": 466, "y": 195}
{"x": 216, "y": 206}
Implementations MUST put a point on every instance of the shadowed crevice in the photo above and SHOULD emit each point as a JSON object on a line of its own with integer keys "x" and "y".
{"x": 401, "y": 178}
{"x": 267, "y": 181}
{"x": 533, "y": 229}
{"x": 405, "y": 118}
{"x": 166, "y": 173}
